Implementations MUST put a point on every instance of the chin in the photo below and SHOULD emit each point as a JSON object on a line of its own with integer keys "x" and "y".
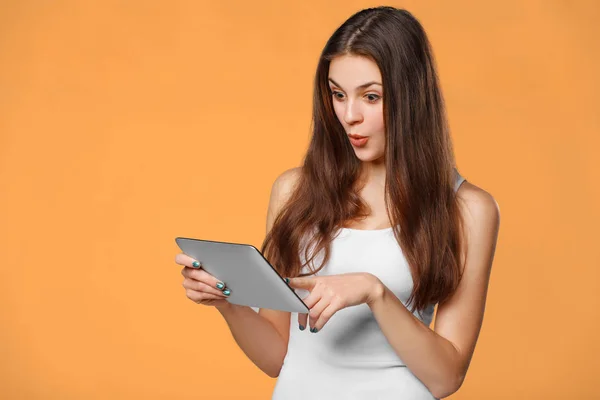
{"x": 368, "y": 157}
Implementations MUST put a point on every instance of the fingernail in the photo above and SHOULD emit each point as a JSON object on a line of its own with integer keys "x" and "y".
{"x": 226, "y": 292}
{"x": 287, "y": 280}
{"x": 220, "y": 285}
{"x": 195, "y": 264}
{"x": 313, "y": 330}
{"x": 302, "y": 327}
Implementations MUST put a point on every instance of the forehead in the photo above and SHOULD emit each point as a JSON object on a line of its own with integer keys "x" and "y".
{"x": 353, "y": 70}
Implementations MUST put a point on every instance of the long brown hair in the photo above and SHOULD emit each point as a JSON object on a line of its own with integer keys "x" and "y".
{"x": 419, "y": 161}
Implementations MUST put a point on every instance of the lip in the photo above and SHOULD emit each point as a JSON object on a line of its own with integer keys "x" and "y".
{"x": 360, "y": 141}
{"x": 353, "y": 136}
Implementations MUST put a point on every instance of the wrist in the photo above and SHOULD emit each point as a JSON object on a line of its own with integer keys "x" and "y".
{"x": 224, "y": 308}
{"x": 227, "y": 308}
{"x": 377, "y": 291}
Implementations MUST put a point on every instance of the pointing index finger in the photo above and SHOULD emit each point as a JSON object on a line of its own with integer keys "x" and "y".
{"x": 302, "y": 283}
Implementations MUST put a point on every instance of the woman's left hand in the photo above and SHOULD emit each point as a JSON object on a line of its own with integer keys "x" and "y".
{"x": 331, "y": 293}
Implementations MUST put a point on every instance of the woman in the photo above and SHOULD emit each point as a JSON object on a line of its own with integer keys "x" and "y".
{"x": 376, "y": 227}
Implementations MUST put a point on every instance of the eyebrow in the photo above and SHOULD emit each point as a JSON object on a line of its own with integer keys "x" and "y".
{"x": 363, "y": 86}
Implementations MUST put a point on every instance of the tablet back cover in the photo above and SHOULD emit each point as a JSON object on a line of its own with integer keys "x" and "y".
{"x": 252, "y": 280}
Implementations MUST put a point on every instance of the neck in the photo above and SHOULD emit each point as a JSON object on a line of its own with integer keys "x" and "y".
{"x": 373, "y": 172}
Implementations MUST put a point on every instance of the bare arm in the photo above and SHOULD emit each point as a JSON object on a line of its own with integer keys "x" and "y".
{"x": 440, "y": 358}
{"x": 264, "y": 336}
{"x": 257, "y": 337}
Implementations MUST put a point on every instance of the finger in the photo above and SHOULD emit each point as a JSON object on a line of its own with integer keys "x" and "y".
{"x": 302, "y": 321}
{"x": 313, "y": 298}
{"x": 303, "y": 283}
{"x": 316, "y": 311}
{"x": 203, "y": 276}
{"x": 199, "y": 297}
{"x": 202, "y": 287}
{"x": 310, "y": 301}
{"x": 184, "y": 259}
{"x": 326, "y": 315}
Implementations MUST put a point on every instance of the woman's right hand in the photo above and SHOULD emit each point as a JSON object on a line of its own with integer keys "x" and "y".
{"x": 201, "y": 287}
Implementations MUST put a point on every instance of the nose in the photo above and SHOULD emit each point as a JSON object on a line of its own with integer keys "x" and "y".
{"x": 352, "y": 113}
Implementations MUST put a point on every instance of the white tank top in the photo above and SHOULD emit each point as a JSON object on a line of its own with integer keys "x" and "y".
{"x": 351, "y": 358}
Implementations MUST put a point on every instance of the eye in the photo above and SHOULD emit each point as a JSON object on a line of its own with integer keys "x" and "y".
{"x": 335, "y": 93}
{"x": 373, "y": 97}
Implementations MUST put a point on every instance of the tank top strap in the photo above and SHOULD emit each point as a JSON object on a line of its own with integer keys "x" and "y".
{"x": 459, "y": 180}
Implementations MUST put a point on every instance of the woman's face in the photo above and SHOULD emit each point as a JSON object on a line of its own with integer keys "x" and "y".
{"x": 357, "y": 96}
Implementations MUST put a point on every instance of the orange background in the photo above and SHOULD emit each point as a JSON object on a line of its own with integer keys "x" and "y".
{"x": 126, "y": 124}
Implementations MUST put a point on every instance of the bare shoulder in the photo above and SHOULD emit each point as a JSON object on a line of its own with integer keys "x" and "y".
{"x": 476, "y": 203}
{"x": 459, "y": 318}
{"x": 280, "y": 192}
{"x": 286, "y": 181}
{"x": 481, "y": 216}
{"x": 283, "y": 187}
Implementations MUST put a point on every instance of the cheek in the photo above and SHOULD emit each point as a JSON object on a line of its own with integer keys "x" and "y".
{"x": 376, "y": 123}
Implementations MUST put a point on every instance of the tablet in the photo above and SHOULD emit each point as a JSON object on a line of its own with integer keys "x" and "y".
{"x": 245, "y": 271}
